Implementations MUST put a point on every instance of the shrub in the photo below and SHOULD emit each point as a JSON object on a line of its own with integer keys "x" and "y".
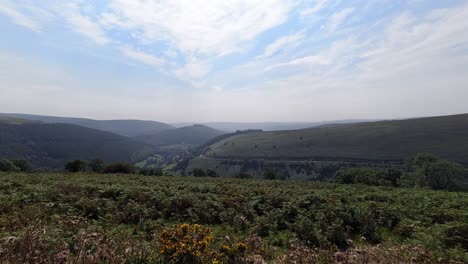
{"x": 185, "y": 243}
{"x": 119, "y": 167}
{"x": 428, "y": 171}
{"x": 23, "y": 165}
{"x": 6, "y": 165}
{"x": 96, "y": 165}
{"x": 243, "y": 175}
{"x": 197, "y": 172}
{"x": 211, "y": 173}
{"x": 75, "y": 166}
{"x": 152, "y": 172}
{"x": 269, "y": 174}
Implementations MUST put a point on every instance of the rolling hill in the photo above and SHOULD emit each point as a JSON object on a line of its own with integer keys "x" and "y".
{"x": 191, "y": 135}
{"x": 129, "y": 128}
{"x": 51, "y": 145}
{"x": 446, "y": 137}
{"x": 269, "y": 126}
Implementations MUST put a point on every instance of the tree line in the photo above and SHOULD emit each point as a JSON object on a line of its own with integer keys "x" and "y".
{"x": 99, "y": 166}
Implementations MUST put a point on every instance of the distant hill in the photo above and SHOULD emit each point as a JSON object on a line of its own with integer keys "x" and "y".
{"x": 193, "y": 135}
{"x": 446, "y": 137}
{"x": 51, "y": 145}
{"x": 16, "y": 121}
{"x": 270, "y": 126}
{"x": 129, "y": 128}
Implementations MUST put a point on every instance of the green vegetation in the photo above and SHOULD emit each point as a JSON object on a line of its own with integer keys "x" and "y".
{"x": 381, "y": 141}
{"x": 14, "y": 165}
{"x": 424, "y": 170}
{"x": 121, "y": 218}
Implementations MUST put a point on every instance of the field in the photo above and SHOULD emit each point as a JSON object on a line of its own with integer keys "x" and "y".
{"x": 92, "y": 218}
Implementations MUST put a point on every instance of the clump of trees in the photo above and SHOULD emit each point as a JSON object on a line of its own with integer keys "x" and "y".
{"x": 422, "y": 170}
{"x": 15, "y": 166}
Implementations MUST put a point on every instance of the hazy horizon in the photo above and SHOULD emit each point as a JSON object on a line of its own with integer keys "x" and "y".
{"x": 238, "y": 61}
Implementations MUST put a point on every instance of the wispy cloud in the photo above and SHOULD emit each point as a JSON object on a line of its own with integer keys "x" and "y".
{"x": 142, "y": 57}
{"x": 318, "y": 5}
{"x": 338, "y": 18}
{"x": 281, "y": 43}
{"x": 25, "y": 16}
{"x": 84, "y": 25}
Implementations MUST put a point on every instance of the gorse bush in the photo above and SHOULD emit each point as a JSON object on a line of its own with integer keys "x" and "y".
{"x": 186, "y": 244}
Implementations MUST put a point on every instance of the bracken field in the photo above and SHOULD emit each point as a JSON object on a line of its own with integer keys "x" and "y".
{"x": 93, "y": 218}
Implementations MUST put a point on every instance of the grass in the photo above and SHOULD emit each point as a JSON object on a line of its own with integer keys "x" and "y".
{"x": 94, "y": 218}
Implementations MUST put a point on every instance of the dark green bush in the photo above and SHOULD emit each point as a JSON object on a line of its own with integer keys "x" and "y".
{"x": 76, "y": 166}
{"x": 119, "y": 167}
{"x": 6, "y": 165}
{"x": 96, "y": 165}
{"x": 151, "y": 172}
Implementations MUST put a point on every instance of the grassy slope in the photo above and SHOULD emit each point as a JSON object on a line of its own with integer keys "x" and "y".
{"x": 50, "y": 145}
{"x": 446, "y": 137}
{"x": 192, "y": 135}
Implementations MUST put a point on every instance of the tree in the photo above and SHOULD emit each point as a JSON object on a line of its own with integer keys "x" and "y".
{"x": 211, "y": 173}
{"x": 75, "y": 166}
{"x": 152, "y": 172}
{"x": 96, "y": 165}
{"x": 427, "y": 171}
{"x": 269, "y": 174}
{"x": 7, "y": 166}
{"x": 119, "y": 167}
{"x": 444, "y": 175}
{"x": 22, "y": 165}
{"x": 197, "y": 172}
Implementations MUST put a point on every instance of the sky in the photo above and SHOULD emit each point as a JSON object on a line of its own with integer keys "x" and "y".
{"x": 234, "y": 60}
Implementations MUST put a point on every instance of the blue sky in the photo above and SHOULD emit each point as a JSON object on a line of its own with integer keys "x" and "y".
{"x": 236, "y": 60}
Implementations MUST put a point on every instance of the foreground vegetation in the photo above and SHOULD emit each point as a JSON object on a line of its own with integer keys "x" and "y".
{"x": 94, "y": 218}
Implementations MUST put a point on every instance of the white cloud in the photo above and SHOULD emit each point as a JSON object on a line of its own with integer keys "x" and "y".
{"x": 282, "y": 42}
{"x": 319, "y": 4}
{"x": 84, "y": 25}
{"x": 33, "y": 23}
{"x": 142, "y": 57}
{"x": 194, "y": 70}
{"x": 199, "y": 26}
{"x": 20, "y": 19}
{"x": 338, "y": 18}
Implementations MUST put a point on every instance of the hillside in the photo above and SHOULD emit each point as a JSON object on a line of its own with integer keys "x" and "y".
{"x": 129, "y": 128}
{"x": 269, "y": 126}
{"x": 446, "y": 137}
{"x": 191, "y": 135}
{"x": 51, "y": 145}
